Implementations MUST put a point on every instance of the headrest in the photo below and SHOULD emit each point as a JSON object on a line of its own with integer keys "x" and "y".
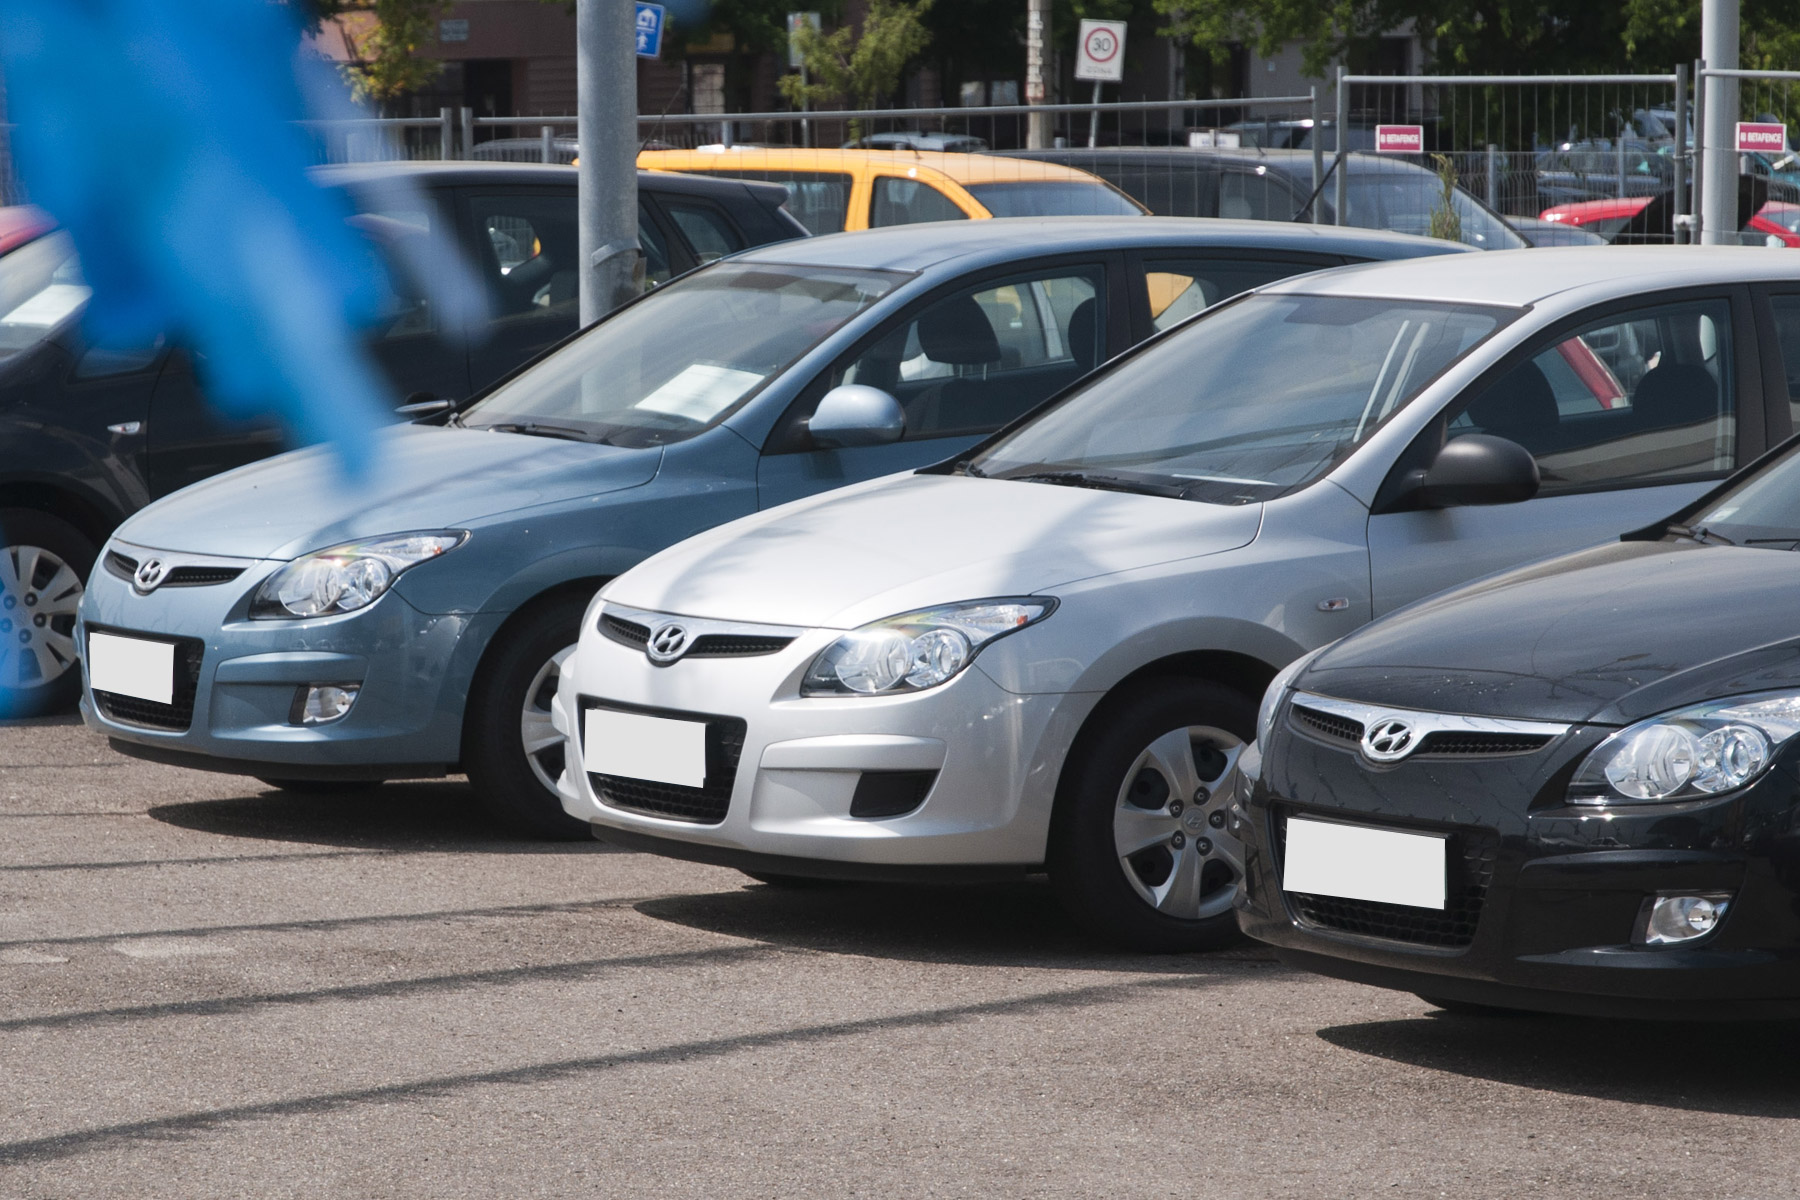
{"x": 1083, "y": 336}
{"x": 1676, "y": 394}
{"x": 1517, "y": 406}
{"x": 956, "y": 332}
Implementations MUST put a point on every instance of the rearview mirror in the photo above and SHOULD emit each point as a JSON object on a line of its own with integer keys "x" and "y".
{"x": 855, "y": 414}
{"x": 421, "y": 405}
{"x": 1478, "y": 468}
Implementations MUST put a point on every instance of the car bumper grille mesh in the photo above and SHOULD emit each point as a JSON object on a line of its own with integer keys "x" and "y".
{"x": 176, "y": 716}
{"x": 704, "y": 805}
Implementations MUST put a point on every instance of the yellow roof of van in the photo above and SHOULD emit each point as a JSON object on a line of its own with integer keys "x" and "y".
{"x": 961, "y": 168}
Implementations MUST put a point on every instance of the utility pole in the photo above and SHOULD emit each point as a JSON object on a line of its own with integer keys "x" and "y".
{"x": 606, "y": 135}
{"x": 1037, "y": 36}
{"x": 1719, "y": 190}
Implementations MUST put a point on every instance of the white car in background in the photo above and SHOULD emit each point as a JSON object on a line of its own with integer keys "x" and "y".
{"x": 1048, "y": 653}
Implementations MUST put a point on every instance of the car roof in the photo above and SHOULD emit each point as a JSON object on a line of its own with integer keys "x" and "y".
{"x": 1521, "y": 278}
{"x": 1288, "y": 162}
{"x": 962, "y": 168}
{"x": 485, "y": 174}
{"x": 925, "y": 246}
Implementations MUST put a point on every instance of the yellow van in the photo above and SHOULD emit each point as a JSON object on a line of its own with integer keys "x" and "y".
{"x": 831, "y": 191}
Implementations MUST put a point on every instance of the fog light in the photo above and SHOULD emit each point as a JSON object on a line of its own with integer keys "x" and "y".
{"x": 1673, "y": 919}
{"x": 322, "y": 703}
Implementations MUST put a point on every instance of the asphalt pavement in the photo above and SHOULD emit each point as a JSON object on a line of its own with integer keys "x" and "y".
{"x": 215, "y": 989}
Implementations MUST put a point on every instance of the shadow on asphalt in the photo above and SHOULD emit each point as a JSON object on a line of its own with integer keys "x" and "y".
{"x": 988, "y": 924}
{"x": 1740, "y": 1068}
{"x": 429, "y": 816}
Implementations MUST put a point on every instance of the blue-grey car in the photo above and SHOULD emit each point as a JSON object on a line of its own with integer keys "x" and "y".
{"x": 322, "y": 634}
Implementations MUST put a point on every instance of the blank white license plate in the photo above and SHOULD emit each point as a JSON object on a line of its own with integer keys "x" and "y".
{"x": 131, "y": 667}
{"x": 640, "y": 747}
{"x": 1358, "y": 863}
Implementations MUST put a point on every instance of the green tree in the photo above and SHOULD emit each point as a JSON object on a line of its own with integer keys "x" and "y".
{"x": 859, "y": 64}
{"x": 386, "y": 43}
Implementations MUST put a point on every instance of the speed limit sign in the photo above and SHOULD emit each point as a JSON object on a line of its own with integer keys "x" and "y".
{"x": 1101, "y": 53}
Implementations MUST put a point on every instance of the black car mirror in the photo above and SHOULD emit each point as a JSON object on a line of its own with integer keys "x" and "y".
{"x": 855, "y": 414}
{"x": 1477, "y": 468}
{"x": 421, "y": 405}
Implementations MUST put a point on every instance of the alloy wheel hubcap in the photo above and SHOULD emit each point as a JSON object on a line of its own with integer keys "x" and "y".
{"x": 544, "y": 746}
{"x": 39, "y": 593}
{"x": 1169, "y": 827}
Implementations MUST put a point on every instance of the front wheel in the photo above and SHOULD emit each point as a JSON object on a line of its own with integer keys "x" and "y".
{"x": 43, "y": 563}
{"x": 1139, "y": 850}
{"x": 512, "y": 752}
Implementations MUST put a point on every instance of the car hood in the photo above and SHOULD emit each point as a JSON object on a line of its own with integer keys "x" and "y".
{"x": 423, "y": 477}
{"x": 857, "y": 555}
{"x": 1610, "y": 635}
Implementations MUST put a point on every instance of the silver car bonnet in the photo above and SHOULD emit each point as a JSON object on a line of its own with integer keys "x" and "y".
{"x": 908, "y": 541}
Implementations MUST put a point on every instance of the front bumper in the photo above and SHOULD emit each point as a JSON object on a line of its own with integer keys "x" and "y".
{"x": 1546, "y": 900}
{"x": 412, "y": 669}
{"x": 986, "y": 761}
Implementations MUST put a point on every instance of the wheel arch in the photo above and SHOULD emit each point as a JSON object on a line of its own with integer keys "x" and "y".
{"x": 582, "y": 588}
{"x": 93, "y": 517}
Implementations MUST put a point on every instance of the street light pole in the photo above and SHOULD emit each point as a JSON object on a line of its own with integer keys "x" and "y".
{"x": 1719, "y": 190}
{"x": 1037, "y": 35}
{"x": 606, "y": 136}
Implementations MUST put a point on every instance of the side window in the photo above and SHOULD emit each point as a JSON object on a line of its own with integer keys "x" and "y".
{"x": 401, "y": 239}
{"x": 1179, "y": 288}
{"x": 1637, "y": 398}
{"x": 705, "y": 227}
{"x": 532, "y": 262}
{"x": 1255, "y": 197}
{"x": 819, "y": 200}
{"x": 656, "y": 251}
{"x": 907, "y": 202}
{"x": 972, "y": 361}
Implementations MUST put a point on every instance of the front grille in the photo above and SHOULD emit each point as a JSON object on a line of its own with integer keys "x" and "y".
{"x": 1329, "y": 726}
{"x": 177, "y": 715}
{"x": 704, "y": 805}
{"x": 729, "y": 645}
{"x": 125, "y": 567}
{"x": 1469, "y": 862}
{"x": 621, "y": 630}
{"x": 1448, "y": 743}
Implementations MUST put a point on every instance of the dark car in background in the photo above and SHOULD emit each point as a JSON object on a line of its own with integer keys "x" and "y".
{"x": 1603, "y": 168}
{"x": 1276, "y": 185}
{"x": 90, "y": 434}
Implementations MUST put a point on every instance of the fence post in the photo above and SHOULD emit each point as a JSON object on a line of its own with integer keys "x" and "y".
{"x": 1698, "y": 233}
{"x": 1719, "y": 29}
{"x": 1318, "y": 149}
{"x": 545, "y": 141}
{"x": 444, "y": 134}
{"x": 468, "y": 133}
{"x": 1682, "y": 208}
{"x": 1343, "y": 139}
{"x": 1621, "y": 157}
{"x": 1493, "y": 177}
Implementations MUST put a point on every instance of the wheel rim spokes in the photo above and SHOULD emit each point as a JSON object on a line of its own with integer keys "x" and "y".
{"x": 544, "y": 746}
{"x": 39, "y": 595}
{"x": 1173, "y": 854}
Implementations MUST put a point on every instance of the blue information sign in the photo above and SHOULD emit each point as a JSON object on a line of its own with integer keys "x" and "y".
{"x": 649, "y": 30}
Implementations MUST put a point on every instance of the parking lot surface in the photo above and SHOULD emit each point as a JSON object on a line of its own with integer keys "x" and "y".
{"x": 211, "y": 988}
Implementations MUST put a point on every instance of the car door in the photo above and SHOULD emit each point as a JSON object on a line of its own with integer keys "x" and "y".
{"x": 190, "y": 440}
{"x": 1168, "y": 288}
{"x": 417, "y": 350}
{"x": 1631, "y": 411}
{"x": 962, "y": 362}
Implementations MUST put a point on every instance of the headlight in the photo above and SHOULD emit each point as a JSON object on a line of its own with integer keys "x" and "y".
{"x": 918, "y": 650}
{"x": 1699, "y": 751}
{"x": 345, "y": 578}
{"x": 1277, "y": 690}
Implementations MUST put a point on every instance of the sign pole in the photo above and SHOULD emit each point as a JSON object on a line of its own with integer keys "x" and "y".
{"x": 1719, "y": 195}
{"x": 1094, "y": 118}
{"x": 606, "y": 36}
{"x": 1100, "y": 56}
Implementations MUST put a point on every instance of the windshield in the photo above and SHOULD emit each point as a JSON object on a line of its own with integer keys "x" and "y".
{"x": 1405, "y": 201}
{"x": 1053, "y": 198}
{"x": 1764, "y": 510}
{"x": 1250, "y": 401}
{"x": 41, "y": 291}
{"x": 681, "y": 359}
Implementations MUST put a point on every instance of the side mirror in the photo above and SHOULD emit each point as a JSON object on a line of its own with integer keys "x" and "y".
{"x": 1478, "y": 468}
{"x": 421, "y": 405}
{"x": 855, "y": 414}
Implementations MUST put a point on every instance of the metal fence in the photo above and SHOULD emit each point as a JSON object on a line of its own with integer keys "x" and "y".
{"x": 1766, "y": 208}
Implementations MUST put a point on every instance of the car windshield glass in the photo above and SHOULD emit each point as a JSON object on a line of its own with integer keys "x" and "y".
{"x": 1764, "y": 510}
{"x": 1053, "y": 198}
{"x": 680, "y": 360}
{"x": 1246, "y": 403}
{"x": 41, "y": 292}
{"x": 1405, "y": 202}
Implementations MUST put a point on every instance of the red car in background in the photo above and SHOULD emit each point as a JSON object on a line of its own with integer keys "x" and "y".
{"x": 1776, "y": 223}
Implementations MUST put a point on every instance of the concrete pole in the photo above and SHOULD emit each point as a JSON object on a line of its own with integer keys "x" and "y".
{"x": 1037, "y": 37}
{"x": 606, "y": 134}
{"x": 1718, "y": 198}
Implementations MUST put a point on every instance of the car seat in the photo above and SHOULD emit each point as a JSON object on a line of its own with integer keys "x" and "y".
{"x": 1675, "y": 394}
{"x": 1520, "y": 406}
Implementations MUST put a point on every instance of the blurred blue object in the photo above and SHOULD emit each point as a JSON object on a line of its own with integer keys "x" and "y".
{"x": 160, "y": 133}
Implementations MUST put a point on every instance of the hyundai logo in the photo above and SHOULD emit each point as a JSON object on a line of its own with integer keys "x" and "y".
{"x": 667, "y": 643}
{"x": 1388, "y": 740}
{"x": 152, "y": 572}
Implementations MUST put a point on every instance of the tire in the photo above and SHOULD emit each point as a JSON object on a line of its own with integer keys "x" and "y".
{"x": 44, "y": 563}
{"x": 1137, "y": 862}
{"x": 321, "y": 787}
{"x": 511, "y": 696}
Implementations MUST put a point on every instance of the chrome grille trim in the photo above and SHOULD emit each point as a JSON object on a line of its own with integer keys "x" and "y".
{"x": 706, "y": 638}
{"x": 1437, "y": 734}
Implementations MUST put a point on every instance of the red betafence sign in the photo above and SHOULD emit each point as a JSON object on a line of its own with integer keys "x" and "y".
{"x": 1761, "y": 137}
{"x": 1399, "y": 139}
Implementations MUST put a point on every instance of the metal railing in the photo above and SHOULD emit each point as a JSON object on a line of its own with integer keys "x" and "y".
{"x": 1763, "y": 177}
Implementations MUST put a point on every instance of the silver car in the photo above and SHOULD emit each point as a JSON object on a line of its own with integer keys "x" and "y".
{"x": 1048, "y": 652}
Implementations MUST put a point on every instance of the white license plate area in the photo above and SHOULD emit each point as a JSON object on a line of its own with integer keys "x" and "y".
{"x": 1358, "y": 863}
{"x": 128, "y": 666}
{"x": 637, "y": 746}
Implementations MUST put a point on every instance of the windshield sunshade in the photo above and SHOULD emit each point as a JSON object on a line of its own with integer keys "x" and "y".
{"x": 1247, "y": 403}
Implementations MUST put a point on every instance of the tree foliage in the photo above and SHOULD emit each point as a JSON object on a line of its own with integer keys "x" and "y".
{"x": 860, "y": 64}
{"x": 385, "y": 41}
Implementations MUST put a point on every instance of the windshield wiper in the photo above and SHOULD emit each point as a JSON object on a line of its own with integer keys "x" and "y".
{"x": 1105, "y": 483}
{"x": 567, "y": 432}
{"x": 1701, "y": 534}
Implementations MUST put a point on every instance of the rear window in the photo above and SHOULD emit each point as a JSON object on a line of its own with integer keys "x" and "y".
{"x": 1053, "y": 198}
{"x": 819, "y": 200}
